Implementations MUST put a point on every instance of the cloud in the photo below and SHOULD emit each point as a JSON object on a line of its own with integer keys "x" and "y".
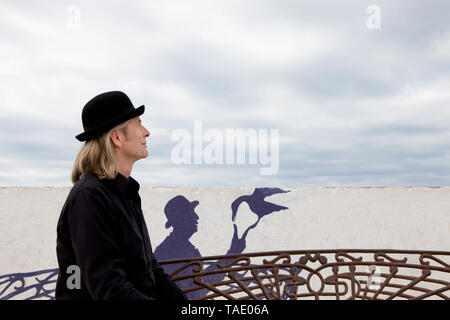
{"x": 354, "y": 106}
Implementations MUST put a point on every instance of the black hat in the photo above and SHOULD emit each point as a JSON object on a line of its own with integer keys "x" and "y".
{"x": 106, "y": 111}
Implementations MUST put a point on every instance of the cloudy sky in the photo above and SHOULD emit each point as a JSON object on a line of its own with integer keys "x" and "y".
{"x": 355, "y": 105}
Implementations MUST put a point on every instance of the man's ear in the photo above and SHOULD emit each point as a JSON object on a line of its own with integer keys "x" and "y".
{"x": 116, "y": 138}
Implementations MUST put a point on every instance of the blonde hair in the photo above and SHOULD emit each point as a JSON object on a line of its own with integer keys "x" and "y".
{"x": 98, "y": 156}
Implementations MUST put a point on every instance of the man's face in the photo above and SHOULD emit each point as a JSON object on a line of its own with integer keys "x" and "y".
{"x": 135, "y": 147}
{"x": 187, "y": 222}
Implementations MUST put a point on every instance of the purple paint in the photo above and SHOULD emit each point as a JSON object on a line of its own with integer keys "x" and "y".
{"x": 181, "y": 215}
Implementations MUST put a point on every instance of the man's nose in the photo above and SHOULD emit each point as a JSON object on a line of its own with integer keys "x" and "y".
{"x": 146, "y": 132}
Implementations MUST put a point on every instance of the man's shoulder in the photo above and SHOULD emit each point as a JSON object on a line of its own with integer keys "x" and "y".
{"x": 88, "y": 193}
{"x": 171, "y": 248}
{"x": 89, "y": 183}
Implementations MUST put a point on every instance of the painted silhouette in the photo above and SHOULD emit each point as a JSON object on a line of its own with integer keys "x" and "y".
{"x": 257, "y": 205}
{"x": 181, "y": 215}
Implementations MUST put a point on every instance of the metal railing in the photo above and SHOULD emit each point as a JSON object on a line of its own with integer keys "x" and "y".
{"x": 316, "y": 274}
{"x": 287, "y": 275}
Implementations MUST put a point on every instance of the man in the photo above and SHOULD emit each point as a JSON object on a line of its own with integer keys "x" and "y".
{"x": 101, "y": 231}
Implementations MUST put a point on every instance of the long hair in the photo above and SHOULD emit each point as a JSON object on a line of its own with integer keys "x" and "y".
{"x": 98, "y": 156}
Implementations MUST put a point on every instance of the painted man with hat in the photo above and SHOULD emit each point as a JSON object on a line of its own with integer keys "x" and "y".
{"x": 101, "y": 230}
{"x": 181, "y": 216}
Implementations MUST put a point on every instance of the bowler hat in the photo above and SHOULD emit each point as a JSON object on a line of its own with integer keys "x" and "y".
{"x": 176, "y": 207}
{"x": 104, "y": 112}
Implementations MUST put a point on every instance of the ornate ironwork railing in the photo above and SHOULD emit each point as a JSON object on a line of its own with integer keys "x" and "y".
{"x": 316, "y": 274}
{"x": 289, "y": 275}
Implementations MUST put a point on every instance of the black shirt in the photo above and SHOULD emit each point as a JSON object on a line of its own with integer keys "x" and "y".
{"x": 102, "y": 230}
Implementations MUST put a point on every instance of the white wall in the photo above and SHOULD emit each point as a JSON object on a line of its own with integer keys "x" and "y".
{"x": 317, "y": 218}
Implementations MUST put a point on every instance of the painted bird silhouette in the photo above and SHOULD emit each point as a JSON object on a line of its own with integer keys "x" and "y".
{"x": 257, "y": 204}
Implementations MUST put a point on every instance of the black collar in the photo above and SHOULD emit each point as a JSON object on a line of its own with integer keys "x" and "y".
{"x": 120, "y": 183}
{"x": 125, "y": 185}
